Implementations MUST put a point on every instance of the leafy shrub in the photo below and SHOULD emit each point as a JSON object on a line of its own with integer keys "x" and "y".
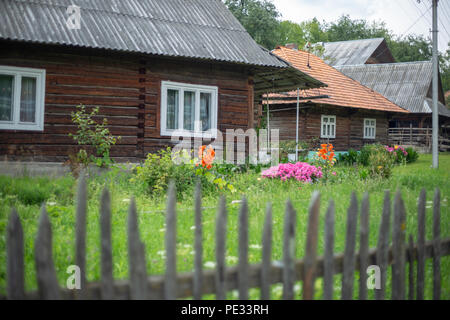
{"x": 91, "y": 133}
{"x": 349, "y": 158}
{"x": 377, "y": 159}
{"x": 288, "y": 147}
{"x": 412, "y": 156}
{"x": 158, "y": 169}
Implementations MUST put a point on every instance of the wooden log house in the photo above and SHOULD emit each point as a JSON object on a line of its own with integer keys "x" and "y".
{"x": 349, "y": 115}
{"x": 152, "y": 67}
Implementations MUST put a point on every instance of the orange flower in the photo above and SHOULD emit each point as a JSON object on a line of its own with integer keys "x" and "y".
{"x": 206, "y": 158}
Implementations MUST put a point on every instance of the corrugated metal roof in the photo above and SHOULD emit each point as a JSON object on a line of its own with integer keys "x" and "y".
{"x": 404, "y": 83}
{"x": 203, "y": 29}
{"x": 350, "y": 52}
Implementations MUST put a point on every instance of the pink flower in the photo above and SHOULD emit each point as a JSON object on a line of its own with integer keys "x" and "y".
{"x": 301, "y": 171}
{"x": 333, "y": 173}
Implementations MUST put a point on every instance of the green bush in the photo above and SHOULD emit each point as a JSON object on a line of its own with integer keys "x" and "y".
{"x": 158, "y": 169}
{"x": 349, "y": 158}
{"x": 288, "y": 146}
{"x": 412, "y": 156}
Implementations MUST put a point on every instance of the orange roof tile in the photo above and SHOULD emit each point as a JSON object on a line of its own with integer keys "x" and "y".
{"x": 342, "y": 90}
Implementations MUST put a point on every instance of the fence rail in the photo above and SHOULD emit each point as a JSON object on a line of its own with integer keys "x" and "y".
{"x": 421, "y": 137}
{"x": 243, "y": 276}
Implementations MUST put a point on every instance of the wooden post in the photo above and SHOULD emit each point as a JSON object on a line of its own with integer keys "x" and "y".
{"x": 170, "y": 288}
{"x": 80, "y": 233}
{"x": 43, "y": 255}
{"x": 398, "y": 243}
{"x": 437, "y": 245}
{"x": 220, "y": 249}
{"x": 290, "y": 224}
{"x": 15, "y": 267}
{"x": 348, "y": 272}
{"x": 243, "y": 251}
{"x": 328, "y": 266}
{"x": 136, "y": 257}
{"x": 364, "y": 247}
{"x": 266, "y": 255}
{"x": 309, "y": 268}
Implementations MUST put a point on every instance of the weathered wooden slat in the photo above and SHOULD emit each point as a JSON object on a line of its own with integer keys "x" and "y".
{"x": 411, "y": 259}
{"x": 421, "y": 223}
{"x": 136, "y": 257}
{"x": 328, "y": 260}
{"x": 311, "y": 248}
{"x": 15, "y": 272}
{"x": 171, "y": 245}
{"x": 290, "y": 224}
{"x": 383, "y": 244}
{"x": 243, "y": 251}
{"x": 349, "y": 252}
{"x": 363, "y": 247}
{"x": 266, "y": 255}
{"x": 220, "y": 280}
{"x": 436, "y": 245}
{"x": 398, "y": 243}
{"x": 107, "y": 280}
{"x": 80, "y": 233}
{"x": 45, "y": 269}
{"x": 198, "y": 247}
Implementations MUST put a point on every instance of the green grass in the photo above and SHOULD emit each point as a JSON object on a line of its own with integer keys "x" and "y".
{"x": 27, "y": 193}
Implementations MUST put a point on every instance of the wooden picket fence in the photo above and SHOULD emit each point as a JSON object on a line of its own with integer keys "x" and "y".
{"x": 243, "y": 276}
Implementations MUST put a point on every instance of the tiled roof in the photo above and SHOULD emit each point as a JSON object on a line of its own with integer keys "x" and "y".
{"x": 342, "y": 90}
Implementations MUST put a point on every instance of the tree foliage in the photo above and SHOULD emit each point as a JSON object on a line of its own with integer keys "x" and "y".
{"x": 262, "y": 21}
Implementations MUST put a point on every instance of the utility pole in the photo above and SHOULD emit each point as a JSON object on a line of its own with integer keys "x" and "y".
{"x": 435, "y": 115}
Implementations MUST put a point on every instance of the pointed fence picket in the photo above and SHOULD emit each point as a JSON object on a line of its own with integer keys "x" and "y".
{"x": 244, "y": 276}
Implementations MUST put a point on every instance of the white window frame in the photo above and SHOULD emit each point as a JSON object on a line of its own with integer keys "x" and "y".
{"x": 212, "y": 132}
{"x": 370, "y": 127}
{"x": 18, "y": 73}
{"x": 324, "y": 134}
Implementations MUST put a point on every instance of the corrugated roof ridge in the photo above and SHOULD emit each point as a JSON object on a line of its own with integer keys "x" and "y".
{"x": 380, "y": 65}
{"x": 355, "y": 40}
{"x": 39, "y": 2}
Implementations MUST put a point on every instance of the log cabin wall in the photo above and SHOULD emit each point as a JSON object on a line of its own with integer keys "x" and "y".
{"x": 349, "y": 125}
{"x": 126, "y": 87}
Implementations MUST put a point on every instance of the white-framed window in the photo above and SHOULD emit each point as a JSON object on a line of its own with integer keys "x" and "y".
{"x": 22, "y": 95}
{"x": 188, "y": 109}
{"x": 328, "y": 127}
{"x": 370, "y": 128}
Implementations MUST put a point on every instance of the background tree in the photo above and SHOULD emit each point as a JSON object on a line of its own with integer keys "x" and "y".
{"x": 259, "y": 17}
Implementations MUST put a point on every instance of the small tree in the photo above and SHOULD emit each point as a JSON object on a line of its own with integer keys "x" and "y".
{"x": 91, "y": 133}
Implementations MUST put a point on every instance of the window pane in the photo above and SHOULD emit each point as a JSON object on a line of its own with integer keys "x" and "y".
{"x": 332, "y": 120}
{"x": 6, "y": 97}
{"x": 328, "y": 130}
{"x": 28, "y": 100}
{"x": 189, "y": 110}
{"x": 366, "y": 132}
{"x": 325, "y": 119}
{"x": 372, "y": 123}
{"x": 172, "y": 109}
{"x": 332, "y": 130}
{"x": 205, "y": 110}
{"x": 324, "y": 130}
